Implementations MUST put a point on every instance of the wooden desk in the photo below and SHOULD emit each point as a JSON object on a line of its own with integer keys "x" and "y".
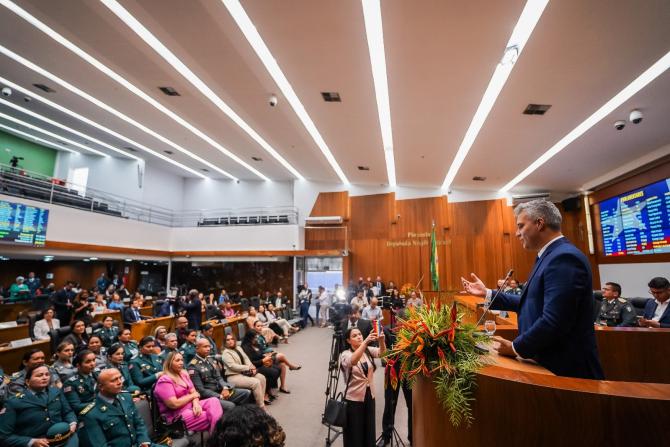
{"x": 219, "y": 330}
{"x": 100, "y": 316}
{"x": 9, "y": 311}
{"x": 474, "y": 311}
{"x": 10, "y": 358}
{"x": 520, "y": 404}
{"x": 14, "y": 333}
{"x": 147, "y": 311}
{"x": 147, "y": 327}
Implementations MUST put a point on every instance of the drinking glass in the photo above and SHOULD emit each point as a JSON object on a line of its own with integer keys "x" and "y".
{"x": 490, "y": 327}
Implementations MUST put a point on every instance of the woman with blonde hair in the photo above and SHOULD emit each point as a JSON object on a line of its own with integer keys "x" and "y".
{"x": 176, "y": 396}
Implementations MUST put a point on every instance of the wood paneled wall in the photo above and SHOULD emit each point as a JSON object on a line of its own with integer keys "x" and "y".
{"x": 476, "y": 236}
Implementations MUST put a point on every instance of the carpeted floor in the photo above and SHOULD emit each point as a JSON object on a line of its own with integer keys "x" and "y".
{"x": 300, "y": 412}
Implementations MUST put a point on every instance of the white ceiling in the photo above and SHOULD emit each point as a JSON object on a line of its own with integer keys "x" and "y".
{"x": 440, "y": 57}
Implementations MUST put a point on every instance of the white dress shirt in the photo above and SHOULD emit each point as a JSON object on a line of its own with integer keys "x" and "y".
{"x": 660, "y": 309}
{"x": 41, "y": 328}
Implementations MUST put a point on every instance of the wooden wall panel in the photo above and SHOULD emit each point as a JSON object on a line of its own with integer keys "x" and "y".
{"x": 371, "y": 216}
{"x": 331, "y": 204}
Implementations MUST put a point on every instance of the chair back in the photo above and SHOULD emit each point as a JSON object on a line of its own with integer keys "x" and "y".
{"x": 227, "y": 330}
{"x": 255, "y": 301}
{"x": 639, "y": 303}
{"x": 244, "y": 304}
{"x": 597, "y": 303}
{"x": 57, "y": 336}
{"x": 241, "y": 330}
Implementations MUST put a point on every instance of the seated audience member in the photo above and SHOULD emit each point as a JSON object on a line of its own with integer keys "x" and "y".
{"x": 181, "y": 329}
{"x": 614, "y": 310}
{"x": 99, "y": 304}
{"x": 45, "y": 325}
{"x": 247, "y": 426}
{"x": 657, "y": 311}
{"x": 241, "y": 372}
{"x": 207, "y": 333}
{"x": 159, "y": 338}
{"x": 169, "y": 346}
{"x": 274, "y": 318}
{"x": 33, "y": 283}
{"x": 82, "y": 308}
{"x": 78, "y": 337}
{"x": 176, "y": 397}
{"x": 146, "y": 367}
{"x": 373, "y": 311}
{"x": 187, "y": 349}
{"x": 31, "y": 359}
{"x": 110, "y": 291}
{"x": 115, "y": 359}
{"x": 414, "y": 300}
{"x": 264, "y": 364}
{"x": 123, "y": 292}
{"x": 166, "y": 309}
{"x": 108, "y": 333}
{"x": 132, "y": 313}
{"x": 277, "y": 357}
{"x": 223, "y": 297}
{"x": 205, "y": 372}
{"x": 95, "y": 346}
{"x": 130, "y": 348}
{"x": 63, "y": 361}
{"x": 270, "y": 335}
{"x": 214, "y": 312}
{"x": 23, "y": 422}
{"x": 79, "y": 389}
{"x": 115, "y": 303}
{"x": 262, "y": 317}
{"x": 19, "y": 290}
{"x": 228, "y": 311}
{"x": 359, "y": 300}
{"x": 513, "y": 287}
{"x": 279, "y": 300}
{"x": 112, "y": 419}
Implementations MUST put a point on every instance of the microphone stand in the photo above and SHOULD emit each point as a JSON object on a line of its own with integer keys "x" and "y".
{"x": 502, "y": 286}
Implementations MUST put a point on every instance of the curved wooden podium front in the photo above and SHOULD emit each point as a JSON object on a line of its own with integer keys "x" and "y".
{"x": 523, "y": 404}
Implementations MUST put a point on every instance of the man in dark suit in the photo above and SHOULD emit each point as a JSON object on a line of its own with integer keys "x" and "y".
{"x": 352, "y": 318}
{"x": 63, "y": 303}
{"x": 131, "y": 314}
{"x": 555, "y": 309}
{"x": 657, "y": 311}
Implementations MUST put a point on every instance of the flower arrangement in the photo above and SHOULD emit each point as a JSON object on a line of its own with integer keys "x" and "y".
{"x": 433, "y": 341}
{"x": 407, "y": 289}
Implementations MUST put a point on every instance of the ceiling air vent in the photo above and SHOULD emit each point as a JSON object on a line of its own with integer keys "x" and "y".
{"x": 169, "y": 152}
{"x": 128, "y": 148}
{"x": 44, "y": 88}
{"x": 256, "y": 158}
{"x": 536, "y": 109}
{"x": 364, "y": 168}
{"x": 204, "y": 169}
{"x": 478, "y": 178}
{"x": 331, "y": 96}
{"x": 169, "y": 91}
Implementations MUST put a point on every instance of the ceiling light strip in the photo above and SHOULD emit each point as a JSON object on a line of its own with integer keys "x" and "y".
{"x": 26, "y": 63}
{"x": 191, "y": 77}
{"x": 99, "y": 126}
{"x": 118, "y": 78}
{"x": 624, "y": 95}
{"x": 33, "y": 137}
{"x": 374, "y": 31}
{"x": 524, "y": 27}
{"x": 51, "y": 134}
{"x": 254, "y": 38}
{"x": 69, "y": 129}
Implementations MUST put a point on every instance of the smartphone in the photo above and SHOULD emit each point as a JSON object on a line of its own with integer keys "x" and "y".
{"x": 377, "y": 326}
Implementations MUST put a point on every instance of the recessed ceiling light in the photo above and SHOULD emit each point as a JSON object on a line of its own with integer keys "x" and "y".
{"x": 169, "y": 91}
{"x": 256, "y": 158}
{"x": 372, "y": 15}
{"x": 617, "y": 100}
{"x": 44, "y": 88}
{"x": 256, "y": 41}
{"x": 331, "y": 96}
{"x": 34, "y": 138}
{"x": 529, "y": 18}
{"x": 69, "y": 129}
{"x": 86, "y": 260}
{"x": 129, "y": 260}
{"x": 92, "y": 258}
{"x": 100, "y": 127}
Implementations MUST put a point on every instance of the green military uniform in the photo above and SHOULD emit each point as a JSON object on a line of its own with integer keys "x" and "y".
{"x": 130, "y": 350}
{"x": 145, "y": 368}
{"x": 124, "y": 369}
{"x": 208, "y": 380}
{"x": 4, "y": 387}
{"x": 64, "y": 370}
{"x": 263, "y": 344}
{"x": 28, "y": 415}
{"x": 188, "y": 351}
{"x": 80, "y": 391}
{"x": 17, "y": 382}
{"x": 114, "y": 423}
{"x": 107, "y": 336}
{"x": 618, "y": 312}
{"x": 164, "y": 353}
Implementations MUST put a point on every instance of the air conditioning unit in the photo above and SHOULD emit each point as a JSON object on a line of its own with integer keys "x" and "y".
{"x": 324, "y": 220}
{"x": 523, "y": 198}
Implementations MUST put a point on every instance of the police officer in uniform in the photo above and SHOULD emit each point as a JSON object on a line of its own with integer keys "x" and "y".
{"x": 614, "y": 310}
{"x": 113, "y": 420}
{"x": 80, "y": 388}
{"x": 205, "y": 373}
{"x": 108, "y": 333}
{"x": 187, "y": 348}
{"x": 115, "y": 360}
{"x": 169, "y": 346}
{"x": 130, "y": 348}
{"x": 147, "y": 367}
{"x": 29, "y": 415}
{"x": 31, "y": 358}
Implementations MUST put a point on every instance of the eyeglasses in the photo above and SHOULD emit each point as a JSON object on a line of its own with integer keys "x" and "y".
{"x": 657, "y": 292}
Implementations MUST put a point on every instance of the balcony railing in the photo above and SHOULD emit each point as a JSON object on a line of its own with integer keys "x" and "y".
{"x": 19, "y": 182}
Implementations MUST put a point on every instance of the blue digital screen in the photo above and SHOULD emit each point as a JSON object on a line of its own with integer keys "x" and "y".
{"x": 22, "y": 224}
{"x": 638, "y": 222}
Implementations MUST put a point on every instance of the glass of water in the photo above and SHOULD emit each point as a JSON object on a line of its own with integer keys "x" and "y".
{"x": 490, "y": 327}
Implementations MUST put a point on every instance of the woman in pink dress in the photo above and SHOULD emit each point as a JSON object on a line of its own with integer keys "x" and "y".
{"x": 176, "y": 396}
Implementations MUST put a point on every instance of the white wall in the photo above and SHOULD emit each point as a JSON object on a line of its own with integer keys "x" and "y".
{"x": 241, "y": 238}
{"x": 215, "y": 194}
{"x": 633, "y": 277}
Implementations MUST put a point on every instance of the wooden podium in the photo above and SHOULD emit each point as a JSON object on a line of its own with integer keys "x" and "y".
{"x": 517, "y": 403}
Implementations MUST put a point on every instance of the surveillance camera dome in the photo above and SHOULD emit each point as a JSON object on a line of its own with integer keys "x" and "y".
{"x": 6, "y": 91}
{"x": 619, "y": 125}
{"x": 635, "y": 116}
{"x": 273, "y": 100}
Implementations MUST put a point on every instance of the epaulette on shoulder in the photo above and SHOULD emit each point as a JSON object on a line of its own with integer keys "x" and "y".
{"x": 16, "y": 374}
{"x": 622, "y": 300}
{"x": 87, "y": 408}
{"x": 19, "y": 395}
{"x": 193, "y": 362}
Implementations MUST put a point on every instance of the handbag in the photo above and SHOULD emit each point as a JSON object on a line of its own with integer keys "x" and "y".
{"x": 336, "y": 408}
{"x": 175, "y": 429}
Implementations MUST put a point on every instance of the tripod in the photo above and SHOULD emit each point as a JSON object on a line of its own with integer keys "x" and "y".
{"x": 395, "y": 440}
{"x": 331, "y": 385}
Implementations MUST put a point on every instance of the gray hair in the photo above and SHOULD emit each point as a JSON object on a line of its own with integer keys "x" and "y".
{"x": 541, "y": 209}
{"x": 20, "y": 279}
{"x": 170, "y": 335}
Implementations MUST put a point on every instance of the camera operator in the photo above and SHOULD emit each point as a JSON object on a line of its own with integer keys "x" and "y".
{"x": 14, "y": 162}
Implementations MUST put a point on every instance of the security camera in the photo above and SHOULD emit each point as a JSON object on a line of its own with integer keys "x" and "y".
{"x": 619, "y": 125}
{"x": 635, "y": 116}
{"x": 273, "y": 100}
{"x": 6, "y": 91}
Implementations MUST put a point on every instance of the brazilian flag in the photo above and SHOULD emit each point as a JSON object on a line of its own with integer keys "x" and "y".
{"x": 434, "y": 263}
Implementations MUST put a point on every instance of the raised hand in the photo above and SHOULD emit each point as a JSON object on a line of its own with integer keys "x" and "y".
{"x": 475, "y": 287}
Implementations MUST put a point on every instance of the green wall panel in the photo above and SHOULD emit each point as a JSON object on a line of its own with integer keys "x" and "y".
{"x": 37, "y": 158}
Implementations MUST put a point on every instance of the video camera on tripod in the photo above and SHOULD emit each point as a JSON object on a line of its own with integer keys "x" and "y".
{"x": 14, "y": 161}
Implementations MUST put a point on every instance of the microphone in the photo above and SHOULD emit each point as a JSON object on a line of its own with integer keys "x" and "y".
{"x": 502, "y": 286}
